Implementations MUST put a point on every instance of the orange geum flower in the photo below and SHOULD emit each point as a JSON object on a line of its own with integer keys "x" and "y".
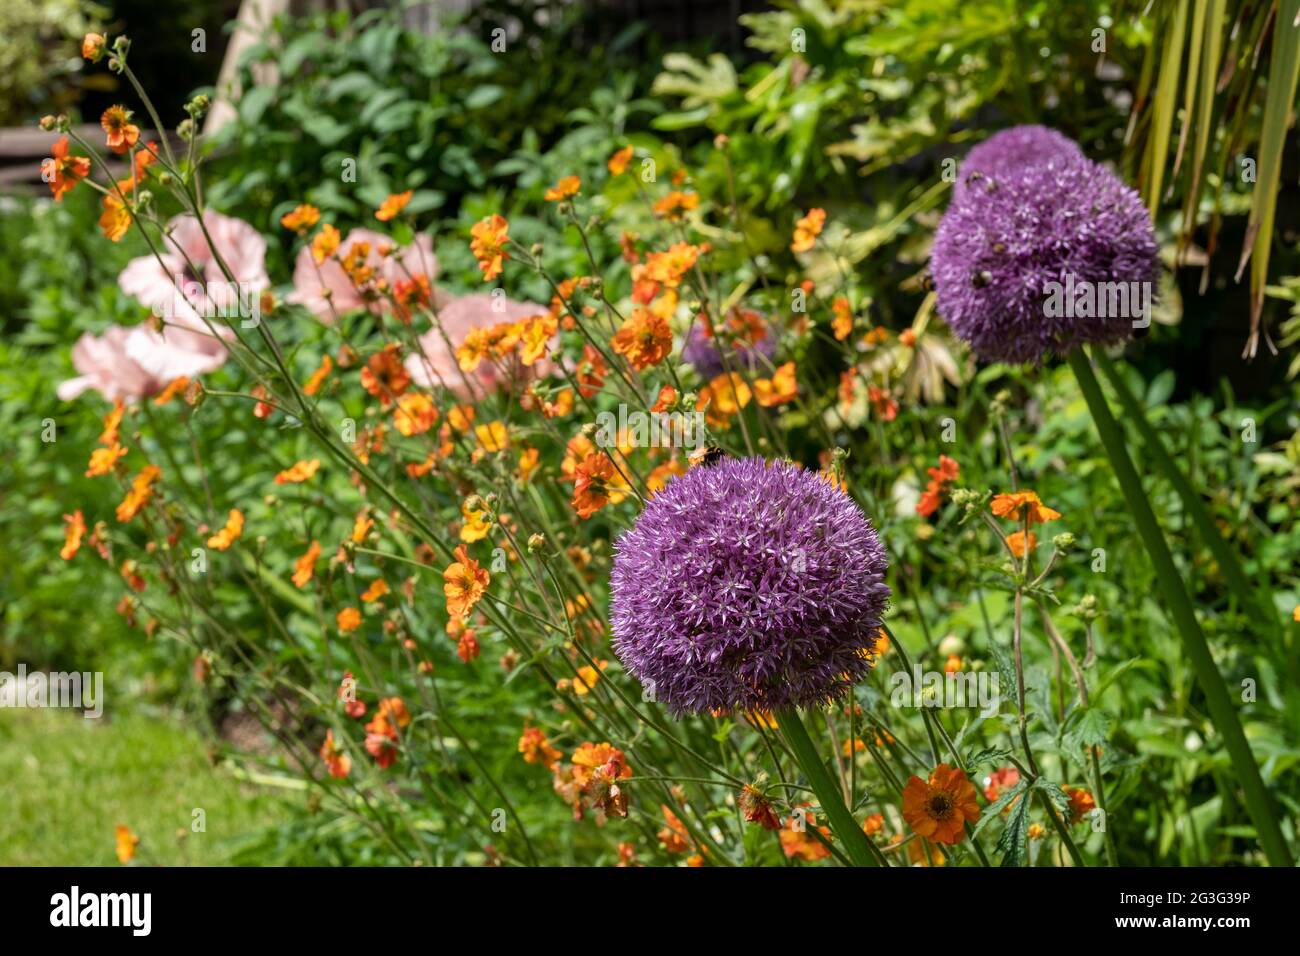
{"x": 757, "y": 808}
{"x": 305, "y": 567}
{"x": 1023, "y": 505}
{"x": 176, "y": 386}
{"x": 842, "y": 324}
{"x": 74, "y": 528}
{"x": 940, "y": 808}
{"x": 314, "y": 383}
{"x": 349, "y": 619}
{"x": 301, "y": 218}
{"x": 566, "y": 188}
{"x": 385, "y": 377}
{"x": 378, "y": 588}
{"x": 464, "y": 583}
{"x": 807, "y": 229}
{"x": 492, "y": 436}
{"x": 122, "y": 133}
{"x": 338, "y": 763}
{"x": 92, "y": 47}
{"x": 618, "y": 162}
{"x": 298, "y": 472}
{"x": 126, "y": 843}
{"x": 596, "y": 483}
{"x": 139, "y": 494}
{"x": 415, "y": 414}
{"x": 62, "y": 171}
{"x": 587, "y": 678}
{"x": 115, "y": 219}
{"x": 1016, "y": 542}
{"x": 726, "y": 394}
{"x": 361, "y": 527}
{"x": 797, "y": 841}
{"x": 112, "y": 422}
{"x": 228, "y": 535}
{"x": 477, "y": 521}
{"x": 538, "y": 332}
{"x": 537, "y": 749}
{"x": 667, "y": 268}
{"x": 644, "y": 339}
{"x": 1081, "y": 802}
{"x": 780, "y": 389}
{"x": 676, "y": 205}
{"x": 674, "y": 837}
{"x": 873, "y": 824}
{"x": 103, "y": 460}
{"x": 529, "y": 461}
{"x": 393, "y": 205}
{"x": 487, "y": 241}
{"x": 325, "y": 244}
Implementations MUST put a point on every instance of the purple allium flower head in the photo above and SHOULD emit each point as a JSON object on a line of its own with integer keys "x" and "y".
{"x": 1043, "y": 258}
{"x": 702, "y": 352}
{"x": 748, "y": 584}
{"x": 1011, "y": 150}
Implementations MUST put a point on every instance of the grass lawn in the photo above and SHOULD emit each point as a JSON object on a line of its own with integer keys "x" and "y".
{"x": 66, "y": 782}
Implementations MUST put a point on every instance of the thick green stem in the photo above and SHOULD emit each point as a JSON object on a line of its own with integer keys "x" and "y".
{"x": 1179, "y": 605}
{"x": 846, "y": 830}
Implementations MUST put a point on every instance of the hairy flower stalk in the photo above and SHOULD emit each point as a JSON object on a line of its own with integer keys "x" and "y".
{"x": 752, "y": 585}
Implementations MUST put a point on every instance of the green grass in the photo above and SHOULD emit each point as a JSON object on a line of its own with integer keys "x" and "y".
{"x": 66, "y": 782}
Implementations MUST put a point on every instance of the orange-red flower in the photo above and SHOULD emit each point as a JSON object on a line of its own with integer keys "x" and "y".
{"x": 1022, "y": 505}
{"x": 940, "y": 808}
{"x": 807, "y": 229}
{"x": 537, "y": 749}
{"x": 349, "y": 619}
{"x": 115, "y": 219}
{"x": 566, "y": 188}
{"x": 676, "y": 205}
{"x": 122, "y": 133}
{"x": 797, "y": 841}
{"x": 139, "y": 494}
{"x": 618, "y": 162}
{"x": 378, "y": 588}
{"x": 228, "y": 535}
{"x": 1016, "y": 542}
{"x": 1081, "y": 802}
{"x": 596, "y": 483}
{"x": 301, "y": 218}
{"x": 62, "y": 171}
{"x": 393, "y": 205}
{"x": 314, "y": 383}
{"x": 674, "y": 837}
{"x": 305, "y": 567}
{"x": 757, "y": 808}
{"x": 338, "y": 763}
{"x": 1003, "y": 777}
{"x": 74, "y": 529}
{"x": 644, "y": 339}
{"x": 780, "y": 389}
{"x": 947, "y": 472}
{"x": 487, "y": 241}
{"x": 92, "y": 47}
{"x": 384, "y": 376}
{"x": 842, "y": 324}
{"x": 464, "y": 583}
{"x": 298, "y": 472}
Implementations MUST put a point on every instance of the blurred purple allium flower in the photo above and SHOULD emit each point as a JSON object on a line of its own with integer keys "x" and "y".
{"x": 1011, "y": 150}
{"x": 702, "y": 351}
{"x": 1014, "y": 249}
{"x": 748, "y": 584}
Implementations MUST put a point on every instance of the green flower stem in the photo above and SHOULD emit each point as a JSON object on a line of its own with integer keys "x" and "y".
{"x": 1179, "y": 605}
{"x": 1233, "y": 572}
{"x": 854, "y": 842}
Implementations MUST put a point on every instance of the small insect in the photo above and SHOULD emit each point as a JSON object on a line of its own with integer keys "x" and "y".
{"x": 707, "y": 456}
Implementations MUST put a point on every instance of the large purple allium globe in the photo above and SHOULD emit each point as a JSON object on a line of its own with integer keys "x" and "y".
{"x": 1016, "y": 251}
{"x": 748, "y": 584}
{"x": 702, "y": 352}
{"x": 1011, "y": 150}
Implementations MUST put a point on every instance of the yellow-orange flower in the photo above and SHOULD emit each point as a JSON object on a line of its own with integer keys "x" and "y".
{"x": 477, "y": 522}
{"x": 596, "y": 483}
{"x": 112, "y": 422}
{"x": 538, "y": 332}
{"x": 781, "y": 388}
{"x": 298, "y": 472}
{"x": 122, "y": 133}
{"x": 587, "y": 677}
{"x": 537, "y": 749}
{"x": 361, "y": 527}
{"x": 1022, "y": 505}
{"x": 325, "y": 244}
{"x": 305, "y": 567}
{"x": 126, "y": 843}
{"x": 301, "y": 218}
{"x": 676, "y": 205}
{"x": 644, "y": 339}
{"x": 393, "y": 205}
{"x": 92, "y": 47}
{"x": 492, "y": 436}
{"x": 378, "y": 588}
{"x": 797, "y": 841}
{"x": 103, "y": 460}
{"x": 566, "y": 188}
{"x": 349, "y": 619}
{"x": 842, "y": 324}
{"x": 1016, "y": 542}
{"x": 415, "y": 414}
{"x": 807, "y": 229}
{"x": 175, "y": 387}
{"x": 529, "y": 460}
{"x": 487, "y": 241}
{"x": 318, "y": 377}
{"x": 618, "y": 162}
{"x": 228, "y": 535}
{"x": 139, "y": 494}
{"x": 940, "y": 808}
{"x": 115, "y": 219}
{"x": 464, "y": 583}
{"x": 74, "y": 529}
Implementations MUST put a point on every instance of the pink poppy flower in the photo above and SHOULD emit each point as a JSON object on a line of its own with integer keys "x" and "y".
{"x": 105, "y": 367}
{"x": 326, "y": 290}
{"x": 437, "y": 365}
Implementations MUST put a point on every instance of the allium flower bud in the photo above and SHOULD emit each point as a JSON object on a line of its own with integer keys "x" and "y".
{"x": 748, "y": 584}
{"x": 1043, "y": 253}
